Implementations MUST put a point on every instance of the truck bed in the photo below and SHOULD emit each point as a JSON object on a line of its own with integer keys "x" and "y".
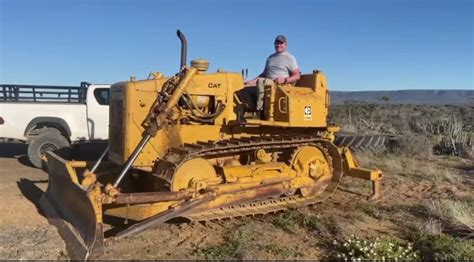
{"x": 43, "y": 94}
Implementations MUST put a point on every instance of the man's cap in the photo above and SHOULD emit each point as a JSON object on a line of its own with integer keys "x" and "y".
{"x": 281, "y": 39}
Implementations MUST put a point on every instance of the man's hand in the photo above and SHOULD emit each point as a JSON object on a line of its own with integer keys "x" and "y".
{"x": 280, "y": 80}
{"x": 252, "y": 82}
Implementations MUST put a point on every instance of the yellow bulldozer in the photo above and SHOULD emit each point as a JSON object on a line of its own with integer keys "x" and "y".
{"x": 184, "y": 147}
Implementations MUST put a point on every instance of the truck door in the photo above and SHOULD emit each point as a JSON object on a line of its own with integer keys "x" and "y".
{"x": 98, "y": 112}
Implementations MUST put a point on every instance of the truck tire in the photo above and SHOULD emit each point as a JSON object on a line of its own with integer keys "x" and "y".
{"x": 48, "y": 139}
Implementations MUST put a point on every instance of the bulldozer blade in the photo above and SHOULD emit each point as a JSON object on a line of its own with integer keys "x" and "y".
{"x": 68, "y": 207}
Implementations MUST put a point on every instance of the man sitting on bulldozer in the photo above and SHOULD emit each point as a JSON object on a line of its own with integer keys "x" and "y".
{"x": 280, "y": 68}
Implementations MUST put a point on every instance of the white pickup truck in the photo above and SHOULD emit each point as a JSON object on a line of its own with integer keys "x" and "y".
{"x": 53, "y": 117}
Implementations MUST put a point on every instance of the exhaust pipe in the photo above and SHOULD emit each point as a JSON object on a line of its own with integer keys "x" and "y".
{"x": 184, "y": 48}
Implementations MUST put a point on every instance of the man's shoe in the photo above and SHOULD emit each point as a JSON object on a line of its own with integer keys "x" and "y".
{"x": 256, "y": 115}
{"x": 240, "y": 115}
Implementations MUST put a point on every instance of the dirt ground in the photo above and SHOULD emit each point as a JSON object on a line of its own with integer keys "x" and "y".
{"x": 24, "y": 231}
{"x": 26, "y": 234}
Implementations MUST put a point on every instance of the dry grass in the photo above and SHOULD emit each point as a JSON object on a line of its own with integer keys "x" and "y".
{"x": 432, "y": 227}
{"x": 408, "y": 166}
{"x": 458, "y": 214}
{"x": 431, "y": 162}
{"x": 440, "y": 173}
{"x": 462, "y": 214}
{"x": 422, "y": 130}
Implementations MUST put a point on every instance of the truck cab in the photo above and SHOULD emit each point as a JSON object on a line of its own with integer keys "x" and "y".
{"x": 53, "y": 117}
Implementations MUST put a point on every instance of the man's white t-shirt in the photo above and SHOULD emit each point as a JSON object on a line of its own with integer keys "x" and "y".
{"x": 280, "y": 65}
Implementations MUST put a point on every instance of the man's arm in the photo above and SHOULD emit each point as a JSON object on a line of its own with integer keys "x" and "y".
{"x": 295, "y": 75}
{"x": 253, "y": 82}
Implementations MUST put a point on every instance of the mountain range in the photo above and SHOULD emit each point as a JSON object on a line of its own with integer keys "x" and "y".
{"x": 431, "y": 97}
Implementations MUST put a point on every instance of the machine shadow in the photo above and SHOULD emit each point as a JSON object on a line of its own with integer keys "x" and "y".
{"x": 16, "y": 150}
{"x": 89, "y": 151}
{"x": 118, "y": 224}
{"x": 12, "y": 150}
{"x": 32, "y": 192}
{"x": 29, "y": 188}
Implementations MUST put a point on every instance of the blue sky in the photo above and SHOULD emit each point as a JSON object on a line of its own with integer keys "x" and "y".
{"x": 360, "y": 45}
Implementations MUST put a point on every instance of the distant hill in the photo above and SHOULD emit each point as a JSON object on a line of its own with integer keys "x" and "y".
{"x": 431, "y": 97}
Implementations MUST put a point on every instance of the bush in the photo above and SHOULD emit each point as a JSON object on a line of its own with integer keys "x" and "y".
{"x": 421, "y": 129}
{"x": 282, "y": 251}
{"x": 458, "y": 214}
{"x": 292, "y": 220}
{"x": 235, "y": 245}
{"x": 378, "y": 248}
{"x": 444, "y": 247}
{"x": 322, "y": 225}
{"x": 413, "y": 145}
{"x": 288, "y": 221}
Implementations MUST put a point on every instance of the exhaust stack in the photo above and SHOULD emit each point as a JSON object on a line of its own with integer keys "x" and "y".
{"x": 184, "y": 48}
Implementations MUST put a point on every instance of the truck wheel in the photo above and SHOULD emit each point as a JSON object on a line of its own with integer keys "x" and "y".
{"x": 48, "y": 139}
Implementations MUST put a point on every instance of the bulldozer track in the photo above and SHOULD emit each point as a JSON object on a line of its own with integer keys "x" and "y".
{"x": 255, "y": 208}
{"x": 215, "y": 149}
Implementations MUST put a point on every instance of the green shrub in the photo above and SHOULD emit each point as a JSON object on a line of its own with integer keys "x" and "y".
{"x": 288, "y": 221}
{"x": 445, "y": 247}
{"x": 234, "y": 246}
{"x": 322, "y": 224}
{"x": 278, "y": 250}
